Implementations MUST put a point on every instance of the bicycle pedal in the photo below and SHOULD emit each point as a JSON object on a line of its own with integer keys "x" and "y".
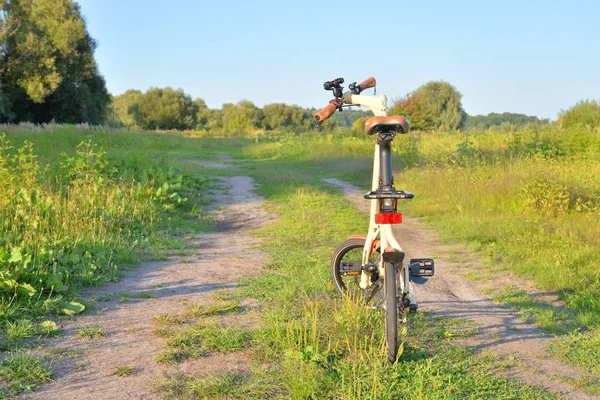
{"x": 351, "y": 268}
{"x": 371, "y": 267}
{"x": 421, "y": 267}
{"x": 413, "y": 308}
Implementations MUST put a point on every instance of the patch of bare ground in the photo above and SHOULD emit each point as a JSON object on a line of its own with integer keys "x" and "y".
{"x": 500, "y": 329}
{"x": 85, "y": 368}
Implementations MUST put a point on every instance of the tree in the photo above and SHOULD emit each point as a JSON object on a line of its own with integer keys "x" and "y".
{"x": 347, "y": 117}
{"x": 279, "y": 116}
{"x": 418, "y": 112}
{"x": 243, "y": 117}
{"x": 504, "y": 119}
{"x": 164, "y": 109}
{"x": 123, "y": 106}
{"x": 585, "y": 113}
{"x": 47, "y": 66}
{"x": 435, "y": 105}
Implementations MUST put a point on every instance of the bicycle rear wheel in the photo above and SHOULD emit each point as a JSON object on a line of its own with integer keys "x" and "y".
{"x": 391, "y": 311}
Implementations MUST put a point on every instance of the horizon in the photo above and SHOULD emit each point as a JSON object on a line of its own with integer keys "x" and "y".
{"x": 535, "y": 59}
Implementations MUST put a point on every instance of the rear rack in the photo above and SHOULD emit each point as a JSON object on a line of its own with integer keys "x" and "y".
{"x": 394, "y": 194}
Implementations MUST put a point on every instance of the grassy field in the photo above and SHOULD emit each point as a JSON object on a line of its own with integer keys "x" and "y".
{"x": 77, "y": 207}
{"x": 528, "y": 200}
{"x": 312, "y": 344}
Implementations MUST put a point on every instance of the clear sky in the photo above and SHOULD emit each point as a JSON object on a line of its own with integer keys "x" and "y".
{"x": 529, "y": 56}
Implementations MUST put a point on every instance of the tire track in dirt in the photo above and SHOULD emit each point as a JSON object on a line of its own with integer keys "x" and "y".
{"x": 84, "y": 368}
{"x": 500, "y": 329}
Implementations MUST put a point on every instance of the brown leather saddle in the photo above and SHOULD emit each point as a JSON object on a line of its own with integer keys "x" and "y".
{"x": 397, "y": 124}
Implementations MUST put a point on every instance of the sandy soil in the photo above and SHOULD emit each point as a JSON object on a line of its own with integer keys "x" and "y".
{"x": 449, "y": 292}
{"x": 84, "y": 368}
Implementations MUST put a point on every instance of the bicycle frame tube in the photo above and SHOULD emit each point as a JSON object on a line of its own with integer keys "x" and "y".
{"x": 378, "y": 105}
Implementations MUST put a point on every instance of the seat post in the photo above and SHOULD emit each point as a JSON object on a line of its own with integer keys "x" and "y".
{"x": 385, "y": 171}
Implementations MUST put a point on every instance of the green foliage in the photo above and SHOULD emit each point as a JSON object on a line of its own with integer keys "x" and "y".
{"x": 504, "y": 120}
{"x": 418, "y": 112}
{"x": 547, "y": 195}
{"x": 164, "y": 109}
{"x": 318, "y": 345}
{"x": 585, "y": 113}
{"x": 218, "y": 338}
{"x": 348, "y": 117}
{"x": 580, "y": 349}
{"x": 220, "y": 308}
{"x": 75, "y": 219}
{"x": 243, "y": 117}
{"x": 231, "y": 385}
{"x": 121, "y": 108}
{"x": 47, "y": 64}
{"x": 433, "y": 106}
{"x": 278, "y": 116}
{"x": 172, "y": 109}
{"x": 24, "y": 373}
{"x": 124, "y": 371}
{"x": 91, "y": 332}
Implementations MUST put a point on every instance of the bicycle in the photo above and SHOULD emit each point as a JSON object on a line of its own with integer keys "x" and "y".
{"x": 359, "y": 266}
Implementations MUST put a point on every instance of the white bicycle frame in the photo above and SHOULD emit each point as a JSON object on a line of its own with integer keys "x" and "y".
{"x": 378, "y": 105}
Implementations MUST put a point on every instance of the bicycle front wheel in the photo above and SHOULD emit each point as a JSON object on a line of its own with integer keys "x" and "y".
{"x": 348, "y": 255}
{"x": 391, "y": 311}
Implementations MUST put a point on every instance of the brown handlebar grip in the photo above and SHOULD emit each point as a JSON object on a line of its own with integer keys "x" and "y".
{"x": 325, "y": 112}
{"x": 369, "y": 83}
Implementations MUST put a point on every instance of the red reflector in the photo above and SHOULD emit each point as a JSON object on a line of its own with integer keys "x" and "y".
{"x": 388, "y": 218}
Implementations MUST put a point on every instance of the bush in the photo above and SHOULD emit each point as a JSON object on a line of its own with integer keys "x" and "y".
{"x": 585, "y": 113}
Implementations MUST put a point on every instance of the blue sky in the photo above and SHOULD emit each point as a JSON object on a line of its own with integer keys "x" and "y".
{"x": 534, "y": 57}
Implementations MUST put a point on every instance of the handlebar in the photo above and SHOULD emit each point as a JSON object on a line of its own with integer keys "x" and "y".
{"x": 326, "y": 112}
{"x": 337, "y": 102}
{"x": 369, "y": 83}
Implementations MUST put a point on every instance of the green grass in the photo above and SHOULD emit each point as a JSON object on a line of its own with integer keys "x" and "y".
{"x": 550, "y": 318}
{"x": 169, "y": 319}
{"x": 314, "y": 344}
{"x": 91, "y": 332}
{"x": 80, "y": 208}
{"x": 173, "y": 357}
{"x": 209, "y": 337}
{"x": 580, "y": 349}
{"x": 124, "y": 371}
{"x": 232, "y": 385}
{"x": 526, "y": 199}
{"x": 220, "y": 308}
{"x": 23, "y": 373}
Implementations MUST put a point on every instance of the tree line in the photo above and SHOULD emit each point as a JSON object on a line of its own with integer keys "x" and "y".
{"x": 48, "y": 72}
{"x": 173, "y": 109}
{"x": 47, "y": 66}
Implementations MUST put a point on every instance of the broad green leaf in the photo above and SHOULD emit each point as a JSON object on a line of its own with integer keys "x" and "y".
{"x": 53, "y": 304}
{"x": 7, "y": 284}
{"x": 73, "y": 308}
{"x": 15, "y": 255}
{"x": 54, "y": 280}
{"x": 25, "y": 289}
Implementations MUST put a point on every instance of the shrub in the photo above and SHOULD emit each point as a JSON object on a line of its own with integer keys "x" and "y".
{"x": 585, "y": 113}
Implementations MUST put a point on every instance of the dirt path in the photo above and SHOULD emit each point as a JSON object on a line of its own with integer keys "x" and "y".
{"x": 449, "y": 292}
{"x": 84, "y": 368}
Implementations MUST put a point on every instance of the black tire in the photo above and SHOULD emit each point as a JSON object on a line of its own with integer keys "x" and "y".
{"x": 350, "y": 250}
{"x": 391, "y": 311}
